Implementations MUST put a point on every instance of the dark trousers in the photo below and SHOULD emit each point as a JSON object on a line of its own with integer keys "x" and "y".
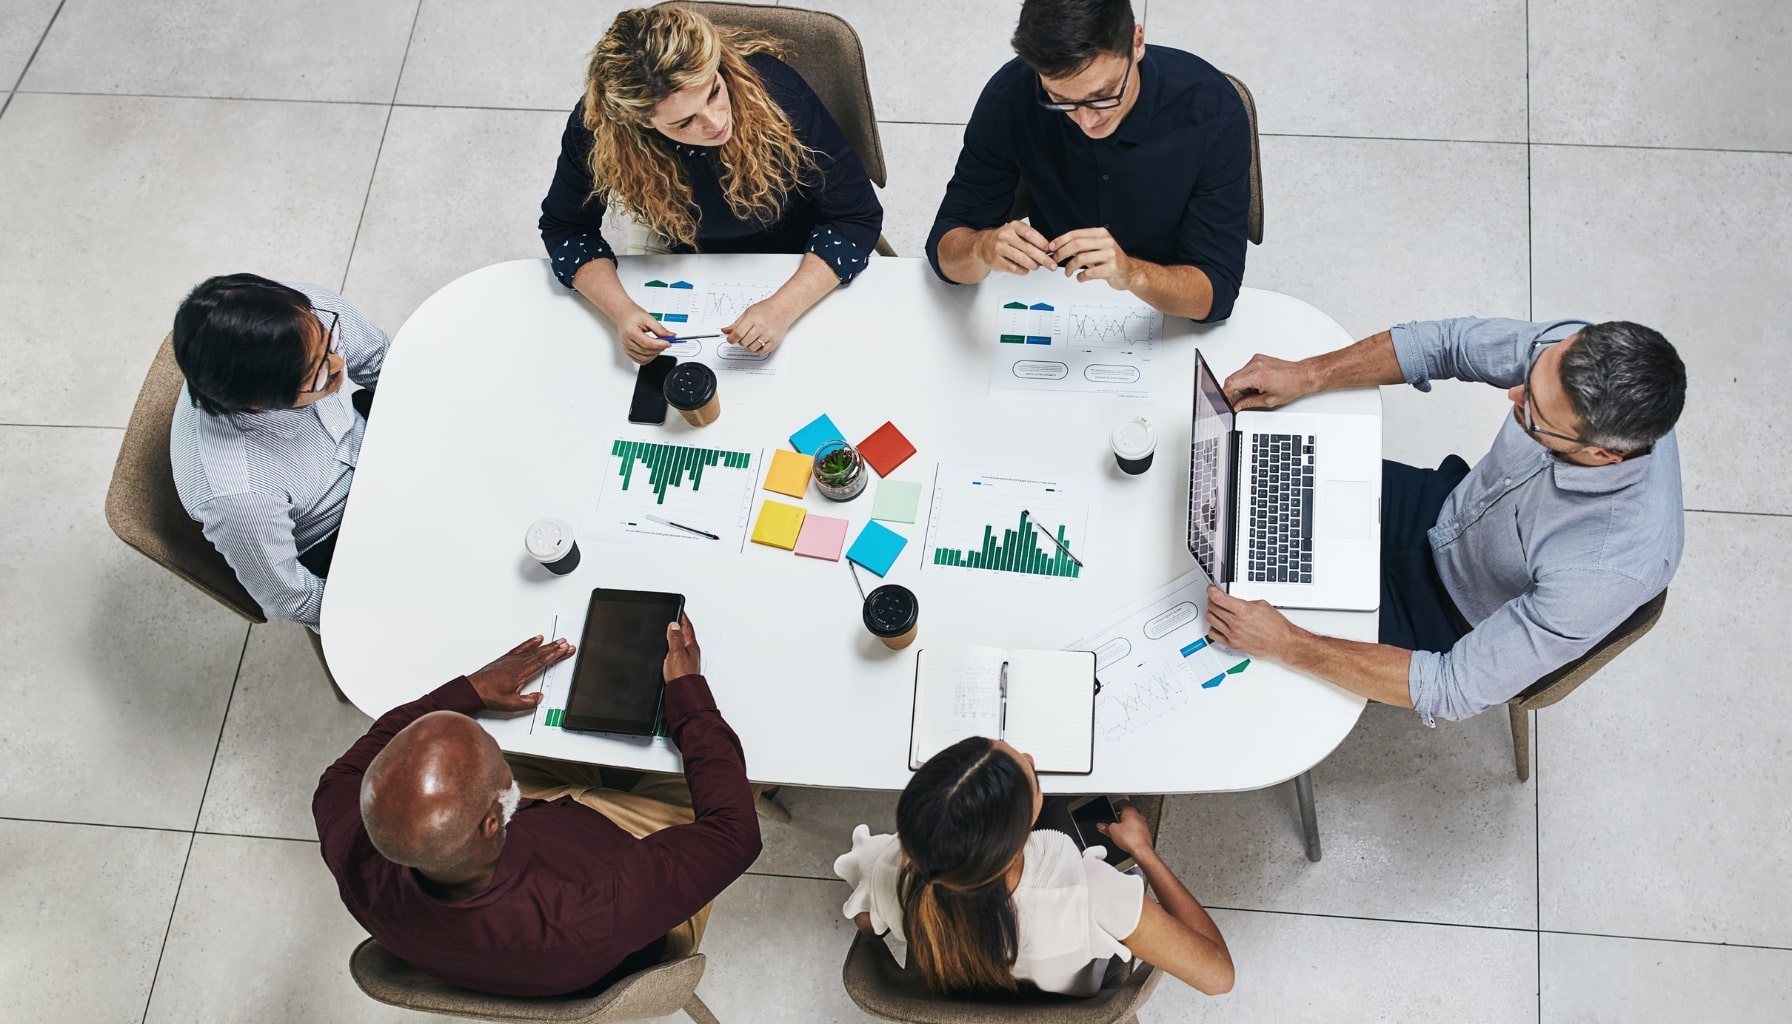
{"x": 1416, "y": 610}
{"x": 316, "y": 559}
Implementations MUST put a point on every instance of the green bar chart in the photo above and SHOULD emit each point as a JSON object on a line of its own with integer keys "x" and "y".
{"x": 648, "y": 484}
{"x": 667, "y": 465}
{"x": 1022, "y": 548}
{"x": 1009, "y": 523}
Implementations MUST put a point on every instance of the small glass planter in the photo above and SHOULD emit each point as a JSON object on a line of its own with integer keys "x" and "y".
{"x": 839, "y": 471}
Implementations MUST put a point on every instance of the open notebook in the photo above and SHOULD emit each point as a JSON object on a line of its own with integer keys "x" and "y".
{"x": 1041, "y": 702}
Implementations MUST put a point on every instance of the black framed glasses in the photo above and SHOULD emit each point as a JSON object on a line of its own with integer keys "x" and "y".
{"x": 1530, "y": 408}
{"x": 322, "y": 378}
{"x": 1099, "y": 103}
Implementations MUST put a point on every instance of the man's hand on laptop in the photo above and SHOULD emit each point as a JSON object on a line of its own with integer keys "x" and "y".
{"x": 500, "y": 684}
{"x": 1267, "y": 382}
{"x": 1250, "y": 627}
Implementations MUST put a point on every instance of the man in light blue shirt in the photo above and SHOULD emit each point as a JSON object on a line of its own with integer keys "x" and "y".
{"x": 1493, "y": 578}
{"x": 265, "y": 440}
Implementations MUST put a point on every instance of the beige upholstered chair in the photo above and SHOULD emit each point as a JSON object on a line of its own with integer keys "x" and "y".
{"x": 826, "y": 51}
{"x": 144, "y": 509}
{"x": 1560, "y": 683}
{"x": 654, "y": 992}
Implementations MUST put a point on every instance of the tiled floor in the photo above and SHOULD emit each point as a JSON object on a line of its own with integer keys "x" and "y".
{"x": 1498, "y": 157}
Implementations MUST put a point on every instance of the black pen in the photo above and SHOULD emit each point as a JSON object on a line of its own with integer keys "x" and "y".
{"x": 693, "y": 529}
{"x": 1054, "y": 540}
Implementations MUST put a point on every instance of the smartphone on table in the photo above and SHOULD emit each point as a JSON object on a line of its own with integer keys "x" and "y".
{"x": 649, "y": 403}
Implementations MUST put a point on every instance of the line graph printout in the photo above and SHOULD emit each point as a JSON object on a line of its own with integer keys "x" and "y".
{"x": 1009, "y": 523}
{"x": 1085, "y": 348}
{"x": 698, "y": 308}
{"x": 1156, "y": 660}
{"x": 645, "y": 482}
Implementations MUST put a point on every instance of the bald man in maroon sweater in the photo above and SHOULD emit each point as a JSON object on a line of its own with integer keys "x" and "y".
{"x": 441, "y": 860}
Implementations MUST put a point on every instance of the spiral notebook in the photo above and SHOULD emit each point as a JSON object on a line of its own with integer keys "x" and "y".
{"x": 1041, "y": 702}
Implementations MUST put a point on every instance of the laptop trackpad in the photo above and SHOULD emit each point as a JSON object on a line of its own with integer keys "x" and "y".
{"x": 1346, "y": 510}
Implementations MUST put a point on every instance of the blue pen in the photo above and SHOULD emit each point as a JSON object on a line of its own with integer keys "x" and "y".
{"x": 673, "y": 339}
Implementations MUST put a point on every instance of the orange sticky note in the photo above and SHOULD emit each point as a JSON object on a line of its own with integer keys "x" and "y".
{"x": 886, "y": 449}
{"x": 789, "y": 473}
{"x": 778, "y": 524}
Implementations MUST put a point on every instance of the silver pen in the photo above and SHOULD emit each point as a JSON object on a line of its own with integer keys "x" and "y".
{"x": 1054, "y": 540}
{"x": 1002, "y": 720}
{"x": 688, "y": 529}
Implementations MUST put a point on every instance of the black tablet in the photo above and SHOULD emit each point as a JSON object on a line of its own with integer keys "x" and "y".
{"x": 619, "y": 678}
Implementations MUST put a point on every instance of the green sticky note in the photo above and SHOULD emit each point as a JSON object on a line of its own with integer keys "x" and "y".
{"x": 896, "y": 501}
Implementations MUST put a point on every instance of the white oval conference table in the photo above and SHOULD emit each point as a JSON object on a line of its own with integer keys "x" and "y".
{"x": 499, "y": 403}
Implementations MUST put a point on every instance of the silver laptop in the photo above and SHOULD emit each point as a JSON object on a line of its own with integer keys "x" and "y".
{"x": 1285, "y": 507}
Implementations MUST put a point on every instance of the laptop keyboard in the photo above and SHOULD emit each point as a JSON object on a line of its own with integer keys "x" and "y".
{"x": 1279, "y": 535}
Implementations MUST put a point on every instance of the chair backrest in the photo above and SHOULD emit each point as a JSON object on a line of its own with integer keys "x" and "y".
{"x": 143, "y": 507}
{"x": 826, "y": 51}
{"x": 1562, "y": 681}
{"x": 654, "y": 992}
{"x": 1023, "y": 203}
{"x": 887, "y": 991}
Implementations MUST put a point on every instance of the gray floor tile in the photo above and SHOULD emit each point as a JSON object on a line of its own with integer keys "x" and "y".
{"x": 920, "y": 159}
{"x": 928, "y": 59}
{"x": 284, "y": 728}
{"x": 118, "y": 669}
{"x": 1661, "y": 73}
{"x": 1662, "y": 780}
{"x": 455, "y": 190}
{"x": 820, "y": 828}
{"x": 339, "y": 50}
{"x": 1309, "y": 970}
{"x": 504, "y": 53}
{"x": 1699, "y": 246}
{"x": 89, "y": 896}
{"x": 1407, "y": 69}
{"x": 22, "y": 24}
{"x": 1377, "y": 233}
{"x": 1596, "y": 980}
{"x": 1416, "y": 824}
{"x": 774, "y": 948}
{"x": 113, "y": 208}
{"x": 259, "y": 934}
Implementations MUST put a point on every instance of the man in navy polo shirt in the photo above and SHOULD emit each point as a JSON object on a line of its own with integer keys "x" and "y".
{"x": 1135, "y": 159}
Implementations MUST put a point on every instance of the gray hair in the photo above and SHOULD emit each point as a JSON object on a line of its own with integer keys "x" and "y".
{"x": 1625, "y": 382}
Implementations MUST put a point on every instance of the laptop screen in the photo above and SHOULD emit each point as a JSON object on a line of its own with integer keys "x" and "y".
{"x": 1210, "y": 477}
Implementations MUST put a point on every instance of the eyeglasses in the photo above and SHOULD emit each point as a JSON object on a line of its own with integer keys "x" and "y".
{"x": 1099, "y": 103}
{"x": 1530, "y": 413}
{"x": 322, "y": 379}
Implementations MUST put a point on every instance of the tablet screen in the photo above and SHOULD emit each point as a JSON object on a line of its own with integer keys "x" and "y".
{"x": 619, "y": 677}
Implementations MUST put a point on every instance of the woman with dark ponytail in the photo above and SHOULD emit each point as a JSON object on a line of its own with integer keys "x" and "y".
{"x": 987, "y": 905}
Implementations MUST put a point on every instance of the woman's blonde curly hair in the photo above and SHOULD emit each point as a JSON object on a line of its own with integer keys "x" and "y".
{"x": 651, "y": 53}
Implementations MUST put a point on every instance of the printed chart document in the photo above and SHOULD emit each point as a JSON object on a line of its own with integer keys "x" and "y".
{"x": 1105, "y": 348}
{"x": 1156, "y": 660}
{"x": 648, "y": 486}
{"x": 1041, "y": 702}
{"x": 687, "y": 308}
{"x": 1036, "y": 527}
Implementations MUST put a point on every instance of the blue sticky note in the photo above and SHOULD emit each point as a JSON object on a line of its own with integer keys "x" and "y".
{"x": 820, "y": 431}
{"x": 877, "y": 547}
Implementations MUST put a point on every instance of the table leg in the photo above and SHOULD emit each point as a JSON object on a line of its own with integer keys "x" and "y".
{"x": 1309, "y": 816}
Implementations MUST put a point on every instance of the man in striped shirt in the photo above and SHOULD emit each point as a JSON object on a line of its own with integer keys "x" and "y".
{"x": 265, "y": 443}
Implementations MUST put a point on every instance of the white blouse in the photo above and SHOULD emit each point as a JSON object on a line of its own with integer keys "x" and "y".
{"x": 1072, "y": 909}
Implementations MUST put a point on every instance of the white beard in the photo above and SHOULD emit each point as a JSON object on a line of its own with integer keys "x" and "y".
{"x": 509, "y": 799}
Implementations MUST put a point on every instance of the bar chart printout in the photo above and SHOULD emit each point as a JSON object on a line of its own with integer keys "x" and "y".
{"x": 646, "y": 484}
{"x": 1009, "y": 523}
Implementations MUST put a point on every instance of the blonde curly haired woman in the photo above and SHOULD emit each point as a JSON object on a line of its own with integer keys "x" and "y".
{"x": 700, "y": 133}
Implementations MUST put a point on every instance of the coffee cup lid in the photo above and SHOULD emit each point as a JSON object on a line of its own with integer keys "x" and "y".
{"x": 891, "y": 610}
{"x": 1134, "y": 439}
{"x": 690, "y": 386}
{"x": 549, "y": 539}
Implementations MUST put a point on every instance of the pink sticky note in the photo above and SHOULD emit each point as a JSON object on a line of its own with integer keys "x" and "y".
{"x": 822, "y": 537}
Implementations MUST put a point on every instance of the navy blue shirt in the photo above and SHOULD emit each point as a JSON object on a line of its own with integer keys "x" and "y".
{"x": 838, "y": 217}
{"x": 1172, "y": 184}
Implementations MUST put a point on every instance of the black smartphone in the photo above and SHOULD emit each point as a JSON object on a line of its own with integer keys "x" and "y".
{"x": 1088, "y": 813}
{"x": 649, "y": 403}
{"x": 618, "y": 683}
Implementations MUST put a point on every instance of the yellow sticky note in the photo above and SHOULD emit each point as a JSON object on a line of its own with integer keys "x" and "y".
{"x": 789, "y": 473}
{"x": 778, "y": 524}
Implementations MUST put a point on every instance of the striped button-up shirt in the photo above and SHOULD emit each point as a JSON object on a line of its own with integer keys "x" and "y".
{"x": 1542, "y": 556}
{"x": 268, "y": 485}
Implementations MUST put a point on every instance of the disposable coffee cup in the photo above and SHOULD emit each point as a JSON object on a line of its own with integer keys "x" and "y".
{"x": 893, "y": 615}
{"x": 691, "y": 389}
{"x": 550, "y": 542}
{"x": 1134, "y": 444}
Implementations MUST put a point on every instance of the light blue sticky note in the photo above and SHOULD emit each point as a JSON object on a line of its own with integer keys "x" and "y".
{"x": 877, "y": 547}
{"x": 820, "y": 431}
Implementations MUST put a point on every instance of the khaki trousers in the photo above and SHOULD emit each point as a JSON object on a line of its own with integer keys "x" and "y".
{"x": 640, "y": 803}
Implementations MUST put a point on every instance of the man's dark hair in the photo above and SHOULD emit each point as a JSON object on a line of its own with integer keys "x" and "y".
{"x": 240, "y": 341}
{"x": 1626, "y": 383}
{"x": 1060, "y": 37}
